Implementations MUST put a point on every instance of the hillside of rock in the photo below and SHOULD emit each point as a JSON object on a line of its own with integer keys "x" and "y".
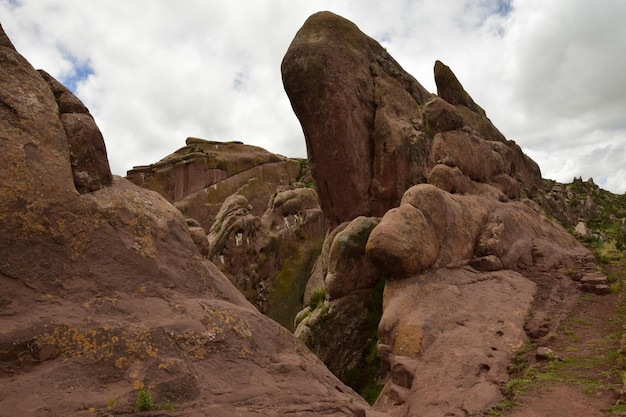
{"x": 105, "y": 295}
{"x": 431, "y": 200}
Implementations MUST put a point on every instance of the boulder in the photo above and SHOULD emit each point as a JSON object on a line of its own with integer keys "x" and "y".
{"x": 581, "y": 229}
{"x": 347, "y": 92}
{"x": 88, "y": 156}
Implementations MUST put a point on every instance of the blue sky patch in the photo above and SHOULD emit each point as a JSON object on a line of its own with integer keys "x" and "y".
{"x": 81, "y": 70}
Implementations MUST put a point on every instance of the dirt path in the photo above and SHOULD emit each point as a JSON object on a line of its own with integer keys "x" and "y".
{"x": 585, "y": 374}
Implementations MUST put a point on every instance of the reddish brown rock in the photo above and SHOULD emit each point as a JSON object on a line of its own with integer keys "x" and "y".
{"x": 263, "y": 223}
{"x": 347, "y": 92}
{"x": 373, "y": 131}
{"x": 374, "y": 137}
{"x": 88, "y": 155}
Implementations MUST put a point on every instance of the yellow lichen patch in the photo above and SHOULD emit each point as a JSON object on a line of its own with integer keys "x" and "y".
{"x": 120, "y": 362}
{"x": 100, "y": 344}
{"x": 408, "y": 340}
{"x": 224, "y": 319}
{"x": 144, "y": 246}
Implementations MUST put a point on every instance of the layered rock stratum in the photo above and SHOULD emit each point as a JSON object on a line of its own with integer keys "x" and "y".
{"x": 104, "y": 291}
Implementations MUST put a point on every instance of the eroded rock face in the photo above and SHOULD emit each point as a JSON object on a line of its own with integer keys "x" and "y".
{"x": 105, "y": 291}
{"x": 346, "y": 90}
{"x": 373, "y": 131}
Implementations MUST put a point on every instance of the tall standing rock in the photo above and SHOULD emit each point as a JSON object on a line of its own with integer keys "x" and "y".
{"x": 346, "y": 89}
{"x": 372, "y": 131}
{"x": 469, "y": 238}
{"x": 88, "y": 155}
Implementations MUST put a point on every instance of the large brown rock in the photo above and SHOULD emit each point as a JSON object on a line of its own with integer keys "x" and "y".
{"x": 373, "y": 131}
{"x": 444, "y": 351}
{"x": 457, "y": 233}
{"x": 105, "y": 292}
{"x": 347, "y": 91}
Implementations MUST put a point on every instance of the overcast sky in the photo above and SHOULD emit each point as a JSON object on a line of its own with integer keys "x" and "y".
{"x": 551, "y": 74}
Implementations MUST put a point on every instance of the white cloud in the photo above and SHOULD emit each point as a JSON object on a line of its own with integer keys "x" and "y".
{"x": 551, "y": 75}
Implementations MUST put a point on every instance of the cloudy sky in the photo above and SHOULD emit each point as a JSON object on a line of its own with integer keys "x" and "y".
{"x": 551, "y": 74}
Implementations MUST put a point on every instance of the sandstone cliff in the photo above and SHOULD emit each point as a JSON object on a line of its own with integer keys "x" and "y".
{"x": 104, "y": 290}
{"x": 431, "y": 199}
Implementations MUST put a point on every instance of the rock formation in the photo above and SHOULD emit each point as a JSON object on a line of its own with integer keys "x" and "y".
{"x": 462, "y": 249}
{"x": 105, "y": 292}
{"x": 373, "y": 131}
{"x": 262, "y": 225}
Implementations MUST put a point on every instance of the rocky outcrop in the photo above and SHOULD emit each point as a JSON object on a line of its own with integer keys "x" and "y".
{"x": 105, "y": 292}
{"x": 263, "y": 225}
{"x": 457, "y": 235}
{"x": 373, "y": 131}
{"x": 198, "y": 177}
{"x": 88, "y": 156}
{"x": 342, "y": 290}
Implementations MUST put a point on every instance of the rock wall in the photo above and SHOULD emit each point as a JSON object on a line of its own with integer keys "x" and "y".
{"x": 105, "y": 292}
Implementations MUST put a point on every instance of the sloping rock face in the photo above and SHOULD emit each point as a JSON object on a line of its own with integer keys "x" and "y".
{"x": 372, "y": 130}
{"x": 262, "y": 225}
{"x": 462, "y": 248}
{"x": 105, "y": 292}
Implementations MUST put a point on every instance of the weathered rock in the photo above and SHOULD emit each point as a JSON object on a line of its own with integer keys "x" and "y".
{"x": 449, "y": 179}
{"x": 444, "y": 352}
{"x": 264, "y": 224}
{"x": 104, "y": 292}
{"x": 198, "y": 177}
{"x": 348, "y": 267}
{"x": 572, "y": 203}
{"x": 341, "y": 330}
{"x": 487, "y": 263}
{"x": 199, "y": 237}
{"x": 581, "y": 229}
{"x": 374, "y": 137}
{"x": 544, "y": 353}
{"x": 405, "y": 243}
